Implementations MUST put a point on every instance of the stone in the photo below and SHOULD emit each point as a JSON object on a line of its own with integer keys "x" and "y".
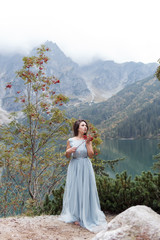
{"x": 136, "y": 223}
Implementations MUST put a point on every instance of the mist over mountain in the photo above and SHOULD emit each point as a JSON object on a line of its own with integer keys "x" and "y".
{"x": 95, "y": 82}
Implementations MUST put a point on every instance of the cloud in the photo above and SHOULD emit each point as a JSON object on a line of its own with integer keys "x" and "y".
{"x": 84, "y": 29}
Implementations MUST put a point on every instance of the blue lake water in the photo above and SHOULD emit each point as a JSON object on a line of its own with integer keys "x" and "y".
{"x": 138, "y": 155}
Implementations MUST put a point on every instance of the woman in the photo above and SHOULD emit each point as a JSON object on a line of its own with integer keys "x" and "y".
{"x": 80, "y": 200}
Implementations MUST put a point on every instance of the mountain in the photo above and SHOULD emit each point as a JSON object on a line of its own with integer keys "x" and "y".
{"x": 92, "y": 83}
{"x": 120, "y": 99}
{"x": 133, "y": 112}
{"x": 72, "y": 84}
{"x": 106, "y": 78}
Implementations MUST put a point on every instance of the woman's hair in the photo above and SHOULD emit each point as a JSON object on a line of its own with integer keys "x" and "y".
{"x": 76, "y": 126}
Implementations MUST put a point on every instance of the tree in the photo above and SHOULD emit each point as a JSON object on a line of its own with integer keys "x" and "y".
{"x": 31, "y": 146}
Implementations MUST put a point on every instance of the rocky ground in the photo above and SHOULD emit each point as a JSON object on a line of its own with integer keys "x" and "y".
{"x": 42, "y": 228}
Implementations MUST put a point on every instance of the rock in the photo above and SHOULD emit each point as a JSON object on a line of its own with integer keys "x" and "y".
{"x": 136, "y": 223}
{"x": 41, "y": 228}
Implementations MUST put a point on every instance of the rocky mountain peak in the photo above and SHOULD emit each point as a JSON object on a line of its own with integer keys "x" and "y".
{"x": 95, "y": 82}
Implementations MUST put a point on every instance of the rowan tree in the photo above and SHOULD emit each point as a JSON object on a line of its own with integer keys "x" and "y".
{"x": 31, "y": 151}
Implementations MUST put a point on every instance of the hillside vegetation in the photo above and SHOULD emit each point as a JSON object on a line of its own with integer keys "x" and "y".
{"x": 133, "y": 112}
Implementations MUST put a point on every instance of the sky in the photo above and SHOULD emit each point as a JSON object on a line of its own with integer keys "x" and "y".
{"x": 85, "y": 30}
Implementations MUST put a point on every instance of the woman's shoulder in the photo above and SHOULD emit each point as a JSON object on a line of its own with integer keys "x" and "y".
{"x": 71, "y": 139}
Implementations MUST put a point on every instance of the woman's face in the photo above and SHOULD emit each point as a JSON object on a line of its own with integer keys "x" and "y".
{"x": 82, "y": 128}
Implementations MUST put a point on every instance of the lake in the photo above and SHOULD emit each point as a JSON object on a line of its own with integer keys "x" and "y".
{"x": 138, "y": 155}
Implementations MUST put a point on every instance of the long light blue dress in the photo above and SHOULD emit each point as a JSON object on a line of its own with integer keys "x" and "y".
{"x": 80, "y": 200}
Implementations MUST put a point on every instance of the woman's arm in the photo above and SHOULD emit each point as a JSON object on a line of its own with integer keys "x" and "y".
{"x": 89, "y": 148}
{"x": 69, "y": 150}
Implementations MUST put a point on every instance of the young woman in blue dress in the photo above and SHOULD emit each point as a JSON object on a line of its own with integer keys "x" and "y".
{"x": 80, "y": 201}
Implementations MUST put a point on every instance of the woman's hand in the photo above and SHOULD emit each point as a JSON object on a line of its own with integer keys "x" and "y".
{"x": 71, "y": 150}
{"x": 89, "y": 139}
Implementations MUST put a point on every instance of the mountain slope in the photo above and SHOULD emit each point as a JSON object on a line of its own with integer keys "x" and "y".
{"x": 144, "y": 123}
{"x": 118, "y": 111}
{"x": 106, "y": 78}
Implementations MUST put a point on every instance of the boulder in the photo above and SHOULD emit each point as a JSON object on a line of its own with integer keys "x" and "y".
{"x": 136, "y": 223}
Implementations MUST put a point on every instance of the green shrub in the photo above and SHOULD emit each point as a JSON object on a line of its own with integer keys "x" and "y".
{"x": 115, "y": 194}
{"x": 120, "y": 193}
{"x": 52, "y": 205}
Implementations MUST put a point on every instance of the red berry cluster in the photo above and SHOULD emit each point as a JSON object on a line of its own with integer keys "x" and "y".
{"x": 8, "y": 86}
{"x": 57, "y": 81}
{"x": 59, "y": 100}
{"x": 90, "y": 138}
{"x": 85, "y": 137}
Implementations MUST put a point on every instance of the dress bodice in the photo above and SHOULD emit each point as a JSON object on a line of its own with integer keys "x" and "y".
{"x": 81, "y": 151}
